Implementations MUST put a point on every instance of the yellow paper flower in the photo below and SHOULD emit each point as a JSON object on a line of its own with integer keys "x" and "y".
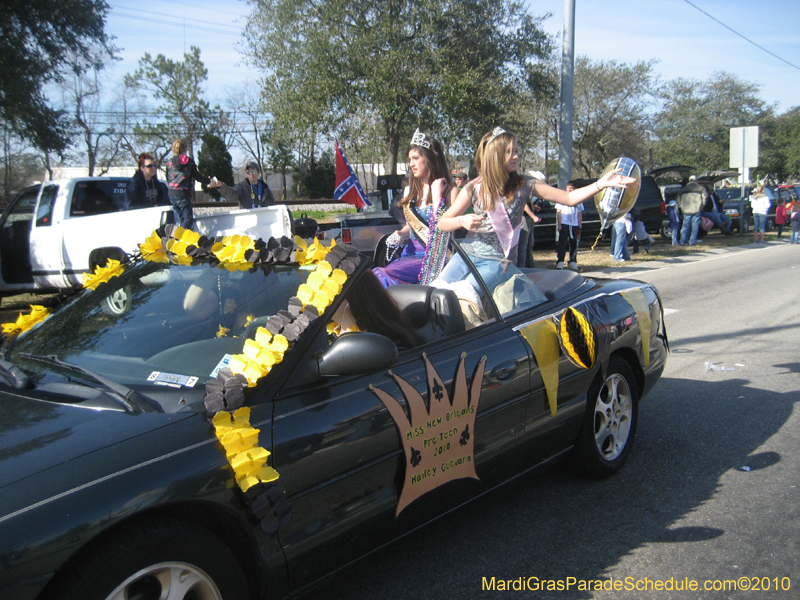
{"x": 113, "y": 268}
{"x": 223, "y": 332}
{"x": 24, "y": 322}
{"x": 153, "y": 249}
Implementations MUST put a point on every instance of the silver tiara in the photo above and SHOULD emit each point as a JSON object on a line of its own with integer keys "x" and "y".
{"x": 418, "y": 139}
{"x": 495, "y": 132}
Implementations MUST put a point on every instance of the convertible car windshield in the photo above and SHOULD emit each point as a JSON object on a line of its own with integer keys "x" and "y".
{"x": 160, "y": 322}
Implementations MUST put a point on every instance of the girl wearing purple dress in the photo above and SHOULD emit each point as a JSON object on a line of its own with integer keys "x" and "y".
{"x": 422, "y": 247}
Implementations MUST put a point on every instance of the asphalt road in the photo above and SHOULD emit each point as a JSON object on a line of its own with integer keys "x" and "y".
{"x": 711, "y": 493}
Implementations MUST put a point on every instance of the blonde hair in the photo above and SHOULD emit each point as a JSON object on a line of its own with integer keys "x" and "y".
{"x": 179, "y": 147}
{"x": 496, "y": 182}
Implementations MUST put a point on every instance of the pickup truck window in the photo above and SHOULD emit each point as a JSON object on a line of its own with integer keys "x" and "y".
{"x": 44, "y": 214}
{"x": 97, "y": 198}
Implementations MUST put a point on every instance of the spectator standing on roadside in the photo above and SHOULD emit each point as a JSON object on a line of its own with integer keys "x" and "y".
{"x": 673, "y": 214}
{"x": 621, "y": 228}
{"x": 640, "y": 235}
{"x": 144, "y": 188}
{"x": 252, "y": 192}
{"x": 760, "y": 203}
{"x": 793, "y": 215}
{"x": 181, "y": 175}
{"x": 691, "y": 199}
{"x": 781, "y": 217}
{"x": 569, "y": 220}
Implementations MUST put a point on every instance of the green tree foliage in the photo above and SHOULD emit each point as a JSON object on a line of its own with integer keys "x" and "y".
{"x": 319, "y": 178}
{"x": 693, "y": 127}
{"x": 37, "y": 39}
{"x": 428, "y": 63}
{"x": 178, "y": 85}
{"x": 612, "y": 101}
{"x": 215, "y": 160}
{"x": 781, "y": 153}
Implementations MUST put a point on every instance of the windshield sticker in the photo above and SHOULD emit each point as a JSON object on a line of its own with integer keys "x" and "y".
{"x": 439, "y": 443}
{"x": 224, "y": 362}
{"x": 171, "y": 379}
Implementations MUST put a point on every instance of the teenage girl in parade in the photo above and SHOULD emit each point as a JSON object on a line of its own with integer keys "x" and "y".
{"x": 498, "y": 198}
{"x": 422, "y": 247}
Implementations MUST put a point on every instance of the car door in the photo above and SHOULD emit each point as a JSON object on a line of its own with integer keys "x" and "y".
{"x": 15, "y": 237}
{"x": 345, "y": 462}
{"x": 47, "y": 259}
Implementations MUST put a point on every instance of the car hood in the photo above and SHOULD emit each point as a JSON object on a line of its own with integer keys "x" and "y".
{"x": 36, "y": 435}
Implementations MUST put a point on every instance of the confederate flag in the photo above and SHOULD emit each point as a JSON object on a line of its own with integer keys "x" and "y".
{"x": 347, "y": 187}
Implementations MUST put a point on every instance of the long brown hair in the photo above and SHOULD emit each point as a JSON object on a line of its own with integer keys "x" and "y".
{"x": 437, "y": 169}
{"x": 376, "y": 311}
{"x": 490, "y": 159}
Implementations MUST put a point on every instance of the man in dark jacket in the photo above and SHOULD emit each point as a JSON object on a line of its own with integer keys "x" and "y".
{"x": 691, "y": 199}
{"x": 250, "y": 193}
{"x": 144, "y": 188}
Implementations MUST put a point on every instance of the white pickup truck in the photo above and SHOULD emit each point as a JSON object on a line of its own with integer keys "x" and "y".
{"x": 53, "y": 232}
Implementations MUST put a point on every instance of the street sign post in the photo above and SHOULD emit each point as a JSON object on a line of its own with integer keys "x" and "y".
{"x": 744, "y": 151}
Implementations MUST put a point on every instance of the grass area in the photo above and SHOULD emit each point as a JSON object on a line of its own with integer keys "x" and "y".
{"x": 589, "y": 260}
{"x": 321, "y": 216}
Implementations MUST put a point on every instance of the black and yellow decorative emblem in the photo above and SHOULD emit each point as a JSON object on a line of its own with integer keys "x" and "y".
{"x": 576, "y": 336}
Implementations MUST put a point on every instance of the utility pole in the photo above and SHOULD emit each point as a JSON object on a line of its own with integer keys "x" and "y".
{"x": 567, "y": 90}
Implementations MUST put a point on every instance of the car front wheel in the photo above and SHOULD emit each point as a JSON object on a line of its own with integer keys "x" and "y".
{"x": 609, "y": 426}
{"x": 157, "y": 560}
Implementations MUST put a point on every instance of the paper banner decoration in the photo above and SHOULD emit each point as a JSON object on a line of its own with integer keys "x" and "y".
{"x": 636, "y": 299}
{"x": 543, "y": 339}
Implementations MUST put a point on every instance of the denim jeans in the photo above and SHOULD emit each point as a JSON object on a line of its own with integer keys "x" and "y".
{"x": 182, "y": 207}
{"x": 719, "y": 219}
{"x": 690, "y": 222}
{"x": 619, "y": 241}
{"x": 760, "y": 223}
{"x": 676, "y": 234}
{"x": 493, "y": 272}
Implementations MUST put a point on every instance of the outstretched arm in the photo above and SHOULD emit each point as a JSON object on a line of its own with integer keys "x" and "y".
{"x": 575, "y": 197}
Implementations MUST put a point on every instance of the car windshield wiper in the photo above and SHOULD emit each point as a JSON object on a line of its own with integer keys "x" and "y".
{"x": 14, "y": 375}
{"x": 131, "y": 400}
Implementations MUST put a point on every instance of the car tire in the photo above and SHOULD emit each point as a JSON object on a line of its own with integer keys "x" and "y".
{"x": 119, "y": 302}
{"x": 156, "y": 559}
{"x": 666, "y": 233}
{"x": 745, "y": 225}
{"x": 609, "y": 427}
{"x": 770, "y": 224}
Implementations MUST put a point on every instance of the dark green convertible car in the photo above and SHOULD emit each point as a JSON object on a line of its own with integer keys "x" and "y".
{"x": 189, "y": 428}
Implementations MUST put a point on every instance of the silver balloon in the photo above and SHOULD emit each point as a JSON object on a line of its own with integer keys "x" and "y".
{"x": 615, "y": 202}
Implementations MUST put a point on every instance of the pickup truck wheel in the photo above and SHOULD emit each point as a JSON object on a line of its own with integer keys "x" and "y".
{"x": 157, "y": 560}
{"x": 118, "y": 303}
{"x": 666, "y": 233}
{"x": 609, "y": 425}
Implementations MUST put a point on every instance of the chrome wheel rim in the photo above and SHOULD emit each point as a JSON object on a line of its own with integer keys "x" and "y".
{"x": 119, "y": 302}
{"x": 167, "y": 581}
{"x": 613, "y": 412}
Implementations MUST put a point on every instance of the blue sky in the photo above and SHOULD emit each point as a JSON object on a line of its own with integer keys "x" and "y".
{"x": 684, "y": 41}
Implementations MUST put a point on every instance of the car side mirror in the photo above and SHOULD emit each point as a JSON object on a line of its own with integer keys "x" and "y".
{"x": 357, "y": 353}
